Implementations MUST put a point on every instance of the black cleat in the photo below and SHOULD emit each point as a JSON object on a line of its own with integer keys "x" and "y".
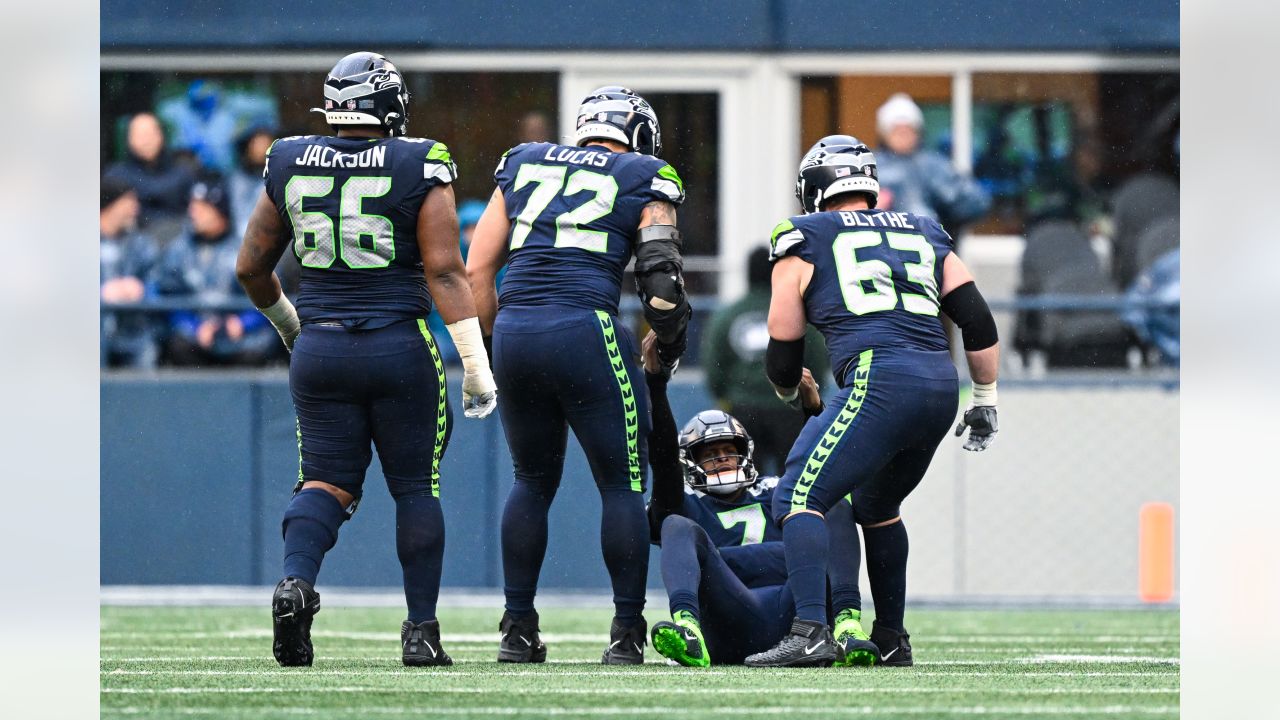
{"x": 520, "y": 642}
{"x": 626, "y": 643}
{"x": 895, "y": 647}
{"x": 421, "y": 644}
{"x": 293, "y": 605}
{"x": 809, "y": 644}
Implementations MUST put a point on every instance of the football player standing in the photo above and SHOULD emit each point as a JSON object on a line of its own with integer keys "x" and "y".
{"x": 370, "y": 215}
{"x": 567, "y": 219}
{"x": 873, "y": 283}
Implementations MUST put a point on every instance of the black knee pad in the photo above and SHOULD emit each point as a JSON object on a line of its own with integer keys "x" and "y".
{"x": 356, "y": 490}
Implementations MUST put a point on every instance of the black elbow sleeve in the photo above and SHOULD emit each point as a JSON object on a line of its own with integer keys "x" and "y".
{"x": 784, "y": 362}
{"x": 660, "y": 283}
{"x": 967, "y": 308}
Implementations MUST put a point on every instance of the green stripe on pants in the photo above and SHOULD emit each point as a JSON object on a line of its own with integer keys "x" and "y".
{"x": 442, "y": 408}
{"x": 628, "y": 398}
{"x": 844, "y": 418}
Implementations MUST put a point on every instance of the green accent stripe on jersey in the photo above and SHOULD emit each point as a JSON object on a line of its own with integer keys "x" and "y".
{"x": 670, "y": 173}
{"x": 442, "y": 408}
{"x": 628, "y": 399}
{"x": 440, "y": 153}
{"x": 818, "y": 457}
{"x": 782, "y": 227}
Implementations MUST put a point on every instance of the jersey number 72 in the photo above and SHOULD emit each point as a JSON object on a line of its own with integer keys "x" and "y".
{"x": 549, "y": 182}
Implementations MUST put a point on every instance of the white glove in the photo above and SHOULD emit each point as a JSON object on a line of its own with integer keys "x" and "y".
{"x": 285, "y": 320}
{"x": 479, "y": 392}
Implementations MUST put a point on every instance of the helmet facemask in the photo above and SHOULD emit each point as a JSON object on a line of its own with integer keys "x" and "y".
{"x": 723, "y": 474}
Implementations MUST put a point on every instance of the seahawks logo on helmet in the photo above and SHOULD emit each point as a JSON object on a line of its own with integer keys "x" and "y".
{"x": 616, "y": 113}
{"x": 371, "y": 90}
{"x": 835, "y": 165}
{"x": 712, "y": 426}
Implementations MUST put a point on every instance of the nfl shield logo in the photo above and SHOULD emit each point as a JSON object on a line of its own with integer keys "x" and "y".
{"x": 351, "y": 104}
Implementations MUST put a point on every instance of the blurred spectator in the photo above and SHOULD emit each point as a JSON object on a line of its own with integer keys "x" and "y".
{"x": 202, "y": 125}
{"x": 1075, "y": 190}
{"x": 535, "y": 126}
{"x": 161, "y": 184}
{"x": 1159, "y": 327}
{"x": 919, "y": 180}
{"x": 200, "y": 266}
{"x": 126, "y": 258}
{"x": 245, "y": 183}
{"x": 733, "y": 349}
{"x": 245, "y": 186}
{"x": 469, "y": 212}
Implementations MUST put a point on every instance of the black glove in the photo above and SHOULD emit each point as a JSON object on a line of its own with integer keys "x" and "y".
{"x": 981, "y": 421}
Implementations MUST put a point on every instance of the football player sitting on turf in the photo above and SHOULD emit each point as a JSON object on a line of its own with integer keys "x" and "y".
{"x": 722, "y": 560}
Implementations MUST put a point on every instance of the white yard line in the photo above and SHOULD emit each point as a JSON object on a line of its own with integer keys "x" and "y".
{"x": 823, "y": 711}
{"x": 457, "y": 672}
{"x": 636, "y": 691}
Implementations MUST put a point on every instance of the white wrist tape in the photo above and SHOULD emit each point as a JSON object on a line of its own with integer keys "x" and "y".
{"x": 284, "y": 317}
{"x": 984, "y": 395}
{"x": 469, "y": 341}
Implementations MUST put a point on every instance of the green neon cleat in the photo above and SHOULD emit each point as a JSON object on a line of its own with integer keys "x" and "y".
{"x": 853, "y": 645}
{"x": 681, "y": 640}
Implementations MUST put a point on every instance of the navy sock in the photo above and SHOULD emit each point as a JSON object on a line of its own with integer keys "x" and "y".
{"x": 310, "y": 527}
{"x": 524, "y": 544}
{"x": 887, "y": 571}
{"x": 804, "y": 542}
{"x": 420, "y": 546}
{"x": 624, "y": 539}
{"x": 681, "y": 563}
{"x": 845, "y": 559}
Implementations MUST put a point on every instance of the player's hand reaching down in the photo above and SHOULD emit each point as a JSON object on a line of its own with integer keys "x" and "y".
{"x": 810, "y": 396}
{"x": 652, "y": 361}
{"x": 981, "y": 421}
{"x": 479, "y": 393}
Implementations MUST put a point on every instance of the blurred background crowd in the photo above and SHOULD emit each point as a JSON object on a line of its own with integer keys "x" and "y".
{"x": 1082, "y": 171}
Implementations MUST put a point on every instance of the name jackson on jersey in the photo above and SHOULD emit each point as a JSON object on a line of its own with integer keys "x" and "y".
{"x": 327, "y": 157}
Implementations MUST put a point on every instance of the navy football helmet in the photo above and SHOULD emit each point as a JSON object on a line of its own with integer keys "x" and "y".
{"x": 836, "y": 164}
{"x": 365, "y": 88}
{"x": 616, "y": 113}
{"x": 712, "y": 426}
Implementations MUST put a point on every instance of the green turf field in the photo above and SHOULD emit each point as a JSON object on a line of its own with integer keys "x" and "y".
{"x": 216, "y": 662}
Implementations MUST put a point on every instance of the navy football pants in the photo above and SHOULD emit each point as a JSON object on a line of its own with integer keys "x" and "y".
{"x": 736, "y": 620}
{"x": 383, "y": 386}
{"x": 875, "y": 439}
{"x": 560, "y": 368}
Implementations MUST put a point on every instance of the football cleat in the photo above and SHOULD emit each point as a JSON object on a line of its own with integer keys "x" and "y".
{"x": 894, "y": 646}
{"x": 853, "y": 646}
{"x": 626, "y": 644}
{"x": 681, "y": 641}
{"x": 420, "y": 644}
{"x": 520, "y": 642}
{"x": 809, "y": 644}
{"x": 293, "y": 606}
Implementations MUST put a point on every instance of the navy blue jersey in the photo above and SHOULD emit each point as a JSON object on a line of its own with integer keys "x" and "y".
{"x": 352, "y": 207}
{"x": 745, "y": 521}
{"x": 574, "y": 213}
{"x": 876, "y": 276}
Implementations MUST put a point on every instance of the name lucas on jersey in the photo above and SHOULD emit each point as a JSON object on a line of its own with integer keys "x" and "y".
{"x": 883, "y": 219}
{"x": 577, "y": 157}
{"x": 321, "y": 156}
